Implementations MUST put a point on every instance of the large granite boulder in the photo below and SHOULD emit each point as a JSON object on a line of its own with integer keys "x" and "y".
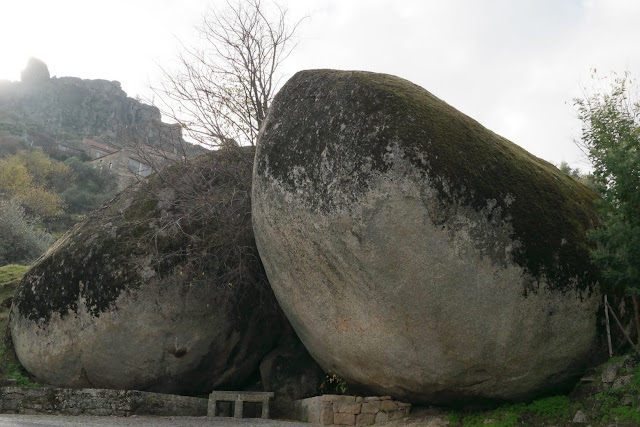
{"x": 417, "y": 253}
{"x": 160, "y": 290}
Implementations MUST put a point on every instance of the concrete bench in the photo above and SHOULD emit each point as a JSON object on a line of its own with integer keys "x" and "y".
{"x": 238, "y": 398}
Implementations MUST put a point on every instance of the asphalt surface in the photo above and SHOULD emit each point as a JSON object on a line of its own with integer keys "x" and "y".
{"x": 7, "y": 420}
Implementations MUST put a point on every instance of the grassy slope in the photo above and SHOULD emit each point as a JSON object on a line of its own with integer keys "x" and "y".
{"x": 10, "y": 369}
{"x": 10, "y": 276}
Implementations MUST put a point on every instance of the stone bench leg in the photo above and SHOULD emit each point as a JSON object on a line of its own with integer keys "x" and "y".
{"x": 213, "y": 407}
{"x": 237, "y": 410}
{"x": 265, "y": 408}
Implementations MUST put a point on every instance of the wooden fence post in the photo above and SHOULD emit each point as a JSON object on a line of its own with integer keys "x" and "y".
{"x": 606, "y": 318}
{"x": 635, "y": 347}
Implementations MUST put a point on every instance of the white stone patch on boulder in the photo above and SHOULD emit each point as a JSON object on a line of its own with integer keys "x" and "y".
{"x": 610, "y": 371}
{"x": 580, "y": 418}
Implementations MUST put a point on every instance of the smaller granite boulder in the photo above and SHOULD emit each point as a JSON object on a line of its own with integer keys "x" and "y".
{"x": 160, "y": 290}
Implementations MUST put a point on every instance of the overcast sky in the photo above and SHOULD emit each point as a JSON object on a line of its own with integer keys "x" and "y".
{"x": 513, "y": 65}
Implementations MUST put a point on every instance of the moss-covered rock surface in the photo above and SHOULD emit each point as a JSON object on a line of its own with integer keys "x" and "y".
{"x": 417, "y": 253}
{"x": 161, "y": 290}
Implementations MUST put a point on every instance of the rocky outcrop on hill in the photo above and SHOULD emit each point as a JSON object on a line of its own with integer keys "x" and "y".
{"x": 415, "y": 252}
{"x": 73, "y": 108}
{"x": 160, "y": 290}
{"x": 35, "y": 72}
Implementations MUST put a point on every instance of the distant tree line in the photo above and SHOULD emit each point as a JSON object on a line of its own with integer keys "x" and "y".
{"x": 575, "y": 173}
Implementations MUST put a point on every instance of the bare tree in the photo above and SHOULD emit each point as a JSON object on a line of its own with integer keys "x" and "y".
{"x": 219, "y": 95}
{"x": 221, "y": 91}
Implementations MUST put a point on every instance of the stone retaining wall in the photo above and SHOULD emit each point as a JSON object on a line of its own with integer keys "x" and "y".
{"x": 22, "y": 400}
{"x": 350, "y": 410}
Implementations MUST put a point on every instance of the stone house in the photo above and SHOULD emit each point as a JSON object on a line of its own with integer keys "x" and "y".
{"x": 129, "y": 165}
{"x": 97, "y": 150}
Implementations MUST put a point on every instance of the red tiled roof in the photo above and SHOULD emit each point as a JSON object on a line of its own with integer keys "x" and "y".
{"x": 99, "y": 145}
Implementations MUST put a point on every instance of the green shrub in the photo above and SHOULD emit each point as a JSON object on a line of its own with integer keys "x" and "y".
{"x": 92, "y": 187}
{"x": 623, "y": 413}
{"x": 12, "y": 273}
{"x": 10, "y": 368}
{"x": 504, "y": 416}
{"x": 545, "y": 411}
{"x": 333, "y": 384}
{"x": 20, "y": 241}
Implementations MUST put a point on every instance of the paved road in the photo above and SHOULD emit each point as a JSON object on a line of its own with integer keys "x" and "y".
{"x": 7, "y": 420}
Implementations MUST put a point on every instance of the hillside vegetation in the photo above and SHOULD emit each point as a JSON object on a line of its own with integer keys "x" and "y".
{"x": 41, "y": 197}
{"x": 10, "y": 370}
{"x": 49, "y": 176}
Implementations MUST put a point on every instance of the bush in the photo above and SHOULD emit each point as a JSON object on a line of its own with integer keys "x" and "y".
{"x": 20, "y": 241}
{"x": 554, "y": 410}
{"x": 12, "y": 273}
{"x": 10, "y": 144}
{"x": 91, "y": 188}
{"x": 33, "y": 179}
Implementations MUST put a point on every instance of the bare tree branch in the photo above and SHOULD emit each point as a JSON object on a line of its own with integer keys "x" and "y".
{"x": 219, "y": 95}
{"x": 220, "y": 91}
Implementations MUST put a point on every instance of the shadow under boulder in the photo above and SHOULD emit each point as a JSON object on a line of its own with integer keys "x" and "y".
{"x": 291, "y": 373}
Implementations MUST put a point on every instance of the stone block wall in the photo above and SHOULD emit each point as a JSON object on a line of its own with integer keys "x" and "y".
{"x": 332, "y": 409}
{"x": 22, "y": 400}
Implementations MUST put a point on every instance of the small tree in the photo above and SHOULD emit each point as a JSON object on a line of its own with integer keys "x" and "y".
{"x": 578, "y": 175}
{"x": 611, "y": 139}
{"x": 222, "y": 90}
{"x": 33, "y": 179}
{"x": 90, "y": 189}
{"x": 219, "y": 95}
{"x": 20, "y": 241}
